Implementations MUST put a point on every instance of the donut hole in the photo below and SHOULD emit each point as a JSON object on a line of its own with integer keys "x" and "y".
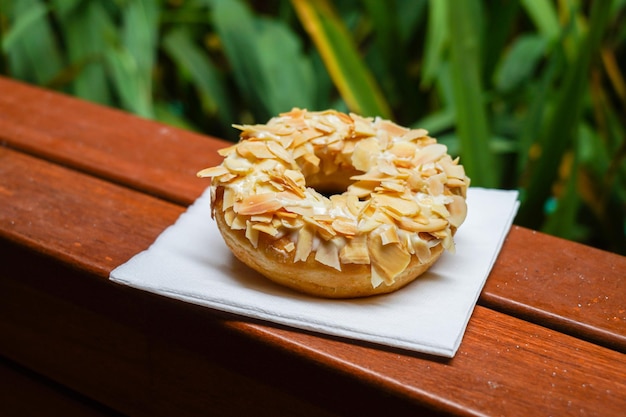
{"x": 333, "y": 184}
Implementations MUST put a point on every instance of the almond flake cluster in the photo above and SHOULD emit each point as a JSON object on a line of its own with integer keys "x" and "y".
{"x": 402, "y": 193}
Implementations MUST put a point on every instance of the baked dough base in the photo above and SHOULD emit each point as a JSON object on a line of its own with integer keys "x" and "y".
{"x": 312, "y": 277}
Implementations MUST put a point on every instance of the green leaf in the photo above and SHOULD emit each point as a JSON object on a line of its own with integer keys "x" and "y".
{"x": 194, "y": 62}
{"x": 24, "y": 22}
{"x": 139, "y": 39}
{"x": 561, "y": 128}
{"x": 520, "y": 62}
{"x": 85, "y": 27}
{"x": 561, "y": 221}
{"x": 471, "y": 118}
{"x": 32, "y": 41}
{"x": 352, "y": 78}
{"x": 543, "y": 14}
{"x": 437, "y": 36}
{"x": 128, "y": 86}
{"x": 266, "y": 58}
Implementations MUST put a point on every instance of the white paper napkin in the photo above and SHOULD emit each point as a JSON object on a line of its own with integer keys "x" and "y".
{"x": 189, "y": 261}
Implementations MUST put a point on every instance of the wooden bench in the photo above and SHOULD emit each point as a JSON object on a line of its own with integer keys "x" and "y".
{"x": 83, "y": 188}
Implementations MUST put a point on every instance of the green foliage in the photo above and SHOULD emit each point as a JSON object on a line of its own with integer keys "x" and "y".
{"x": 530, "y": 93}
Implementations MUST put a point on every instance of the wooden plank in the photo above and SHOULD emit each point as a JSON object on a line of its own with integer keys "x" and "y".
{"x": 129, "y": 340}
{"x": 574, "y": 289}
{"x": 563, "y": 285}
{"x": 138, "y": 153}
{"x": 53, "y": 211}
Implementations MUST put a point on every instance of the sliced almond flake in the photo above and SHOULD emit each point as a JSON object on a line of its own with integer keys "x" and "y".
{"x": 345, "y": 227}
{"x": 410, "y": 225}
{"x": 328, "y": 254}
{"x": 279, "y": 186}
{"x": 389, "y": 234}
{"x": 368, "y": 224}
{"x": 322, "y": 126}
{"x": 323, "y": 217}
{"x": 348, "y": 147}
{"x": 227, "y": 151}
{"x": 229, "y": 198}
{"x": 383, "y": 139}
{"x": 229, "y": 217}
{"x": 267, "y": 165}
{"x": 376, "y": 279}
{"x": 416, "y": 182}
{"x": 291, "y": 223}
{"x": 238, "y": 165}
{"x": 362, "y": 127}
{"x": 290, "y": 246}
{"x": 440, "y": 210}
{"x": 296, "y": 177}
{"x": 389, "y": 260}
{"x": 392, "y": 186}
{"x": 239, "y": 223}
{"x": 283, "y": 182}
{"x": 422, "y": 250}
{"x": 225, "y": 179}
{"x": 254, "y": 149}
{"x": 392, "y": 214}
{"x": 304, "y": 244}
{"x": 354, "y": 205}
{"x": 300, "y": 210}
{"x": 361, "y": 189}
{"x": 387, "y": 167}
{"x": 335, "y": 146}
{"x": 458, "y": 211}
{"x": 252, "y": 234}
{"x": 280, "y": 152}
{"x": 398, "y": 205}
{"x": 405, "y": 150}
{"x": 372, "y": 175}
{"x": 301, "y": 151}
{"x": 455, "y": 182}
{"x": 283, "y": 129}
{"x": 436, "y": 184}
{"x": 312, "y": 159}
{"x": 344, "y": 118}
{"x": 262, "y": 218}
{"x": 266, "y": 228}
{"x": 325, "y": 231}
{"x": 364, "y": 155}
{"x": 448, "y": 244}
{"x": 355, "y": 251}
{"x": 430, "y": 153}
{"x": 239, "y": 127}
{"x": 215, "y": 171}
{"x": 392, "y": 128}
{"x": 276, "y": 222}
{"x": 403, "y": 163}
{"x": 295, "y": 113}
{"x": 414, "y": 134}
{"x": 453, "y": 170}
{"x": 305, "y": 135}
{"x": 258, "y": 204}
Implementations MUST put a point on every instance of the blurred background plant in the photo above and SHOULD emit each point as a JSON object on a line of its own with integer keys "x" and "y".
{"x": 530, "y": 93}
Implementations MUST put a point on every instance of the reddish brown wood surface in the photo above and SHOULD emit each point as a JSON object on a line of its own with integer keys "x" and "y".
{"x": 61, "y": 232}
{"x": 563, "y": 285}
{"x": 575, "y": 289}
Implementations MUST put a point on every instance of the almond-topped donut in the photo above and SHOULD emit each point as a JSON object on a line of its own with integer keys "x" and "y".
{"x": 337, "y": 205}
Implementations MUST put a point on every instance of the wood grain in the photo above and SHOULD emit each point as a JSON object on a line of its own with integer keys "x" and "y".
{"x": 563, "y": 285}
{"x": 575, "y": 289}
{"x": 129, "y": 340}
{"x": 545, "y": 339}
